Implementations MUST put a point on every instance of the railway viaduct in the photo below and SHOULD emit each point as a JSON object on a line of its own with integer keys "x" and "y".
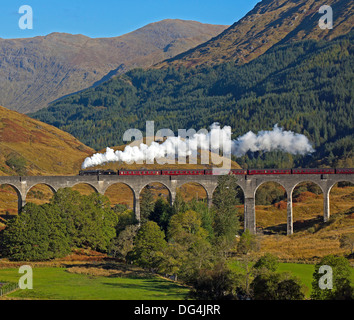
{"x": 248, "y": 183}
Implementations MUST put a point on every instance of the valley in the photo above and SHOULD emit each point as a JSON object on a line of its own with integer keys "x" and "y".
{"x": 99, "y": 216}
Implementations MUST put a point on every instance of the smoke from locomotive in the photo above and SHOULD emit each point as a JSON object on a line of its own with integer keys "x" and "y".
{"x": 217, "y": 138}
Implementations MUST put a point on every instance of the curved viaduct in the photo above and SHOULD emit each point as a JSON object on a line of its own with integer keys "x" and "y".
{"x": 248, "y": 183}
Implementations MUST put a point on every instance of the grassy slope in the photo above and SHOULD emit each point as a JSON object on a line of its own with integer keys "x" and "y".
{"x": 46, "y": 149}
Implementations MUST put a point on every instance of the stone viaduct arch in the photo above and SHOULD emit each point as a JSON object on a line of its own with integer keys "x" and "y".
{"x": 248, "y": 183}
{"x": 104, "y": 191}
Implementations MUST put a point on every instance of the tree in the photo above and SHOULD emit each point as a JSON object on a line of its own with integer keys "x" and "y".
{"x": 185, "y": 228}
{"x": 125, "y": 219}
{"x": 147, "y": 205}
{"x": 276, "y": 286}
{"x": 248, "y": 243}
{"x": 226, "y": 222}
{"x": 188, "y": 248}
{"x": 172, "y": 260}
{"x": 161, "y": 213}
{"x": 218, "y": 283}
{"x": 149, "y": 244}
{"x": 341, "y": 272}
{"x": 206, "y": 215}
{"x": 179, "y": 205}
{"x": 124, "y": 243}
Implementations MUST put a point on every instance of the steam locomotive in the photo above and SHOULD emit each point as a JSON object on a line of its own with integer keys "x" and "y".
{"x": 185, "y": 172}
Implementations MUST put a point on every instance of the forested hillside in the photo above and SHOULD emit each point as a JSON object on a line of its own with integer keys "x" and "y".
{"x": 307, "y": 87}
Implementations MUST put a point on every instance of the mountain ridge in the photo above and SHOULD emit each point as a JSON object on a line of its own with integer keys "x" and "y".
{"x": 267, "y": 24}
{"x": 36, "y": 71}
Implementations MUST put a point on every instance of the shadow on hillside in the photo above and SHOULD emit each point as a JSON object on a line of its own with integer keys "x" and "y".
{"x": 298, "y": 226}
{"x": 303, "y": 225}
{"x": 279, "y": 229}
{"x": 149, "y": 285}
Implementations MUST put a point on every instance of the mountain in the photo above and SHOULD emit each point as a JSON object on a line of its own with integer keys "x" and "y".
{"x": 270, "y": 22}
{"x": 30, "y": 147}
{"x": 39, "y": 70}
{"x": 305, "y": 87}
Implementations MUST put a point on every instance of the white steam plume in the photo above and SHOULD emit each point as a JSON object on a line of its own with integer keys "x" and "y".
{"x": 278, "y": 139}
{"x": 217, "y": 138}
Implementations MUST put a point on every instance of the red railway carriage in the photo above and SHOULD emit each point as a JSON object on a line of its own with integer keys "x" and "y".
{"x": 269, "y": 171}
{"x": 210, "y": 172}
{"x": 182, "y": 172}
{"x": 238, "y": 171}
{"x": 231, "y": 172}
{"x": 173, "y": 172}
{"x": 313, "y": 171}
{"x": 344, "y": 170}
{"x": 139, "y": 172}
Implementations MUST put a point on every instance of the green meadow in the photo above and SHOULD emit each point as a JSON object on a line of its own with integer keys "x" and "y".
{"x": 51, "y": 283}
{"x": 58, "y": 284}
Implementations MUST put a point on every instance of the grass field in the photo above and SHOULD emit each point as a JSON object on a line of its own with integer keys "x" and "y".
{"x": 58, "y": 284}
{"x": 53, "y": 283}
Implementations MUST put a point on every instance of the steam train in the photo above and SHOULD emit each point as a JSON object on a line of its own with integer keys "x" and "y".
{"x": 185, "y": 172}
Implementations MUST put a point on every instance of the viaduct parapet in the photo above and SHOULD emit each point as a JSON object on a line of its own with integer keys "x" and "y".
{"x": 248, "y": 183}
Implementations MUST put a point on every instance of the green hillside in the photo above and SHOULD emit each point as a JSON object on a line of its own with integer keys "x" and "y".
{"x": 306, "y": 87}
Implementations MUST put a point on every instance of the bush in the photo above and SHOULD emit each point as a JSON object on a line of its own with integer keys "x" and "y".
{"x": 276, "y": 286}
{"x": 17, "y": 163}
{"x": 267, "y": 262}
{"x": 216, "y": 284}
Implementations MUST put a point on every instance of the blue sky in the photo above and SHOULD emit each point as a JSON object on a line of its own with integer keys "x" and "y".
{"x": 108, "y": 18}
